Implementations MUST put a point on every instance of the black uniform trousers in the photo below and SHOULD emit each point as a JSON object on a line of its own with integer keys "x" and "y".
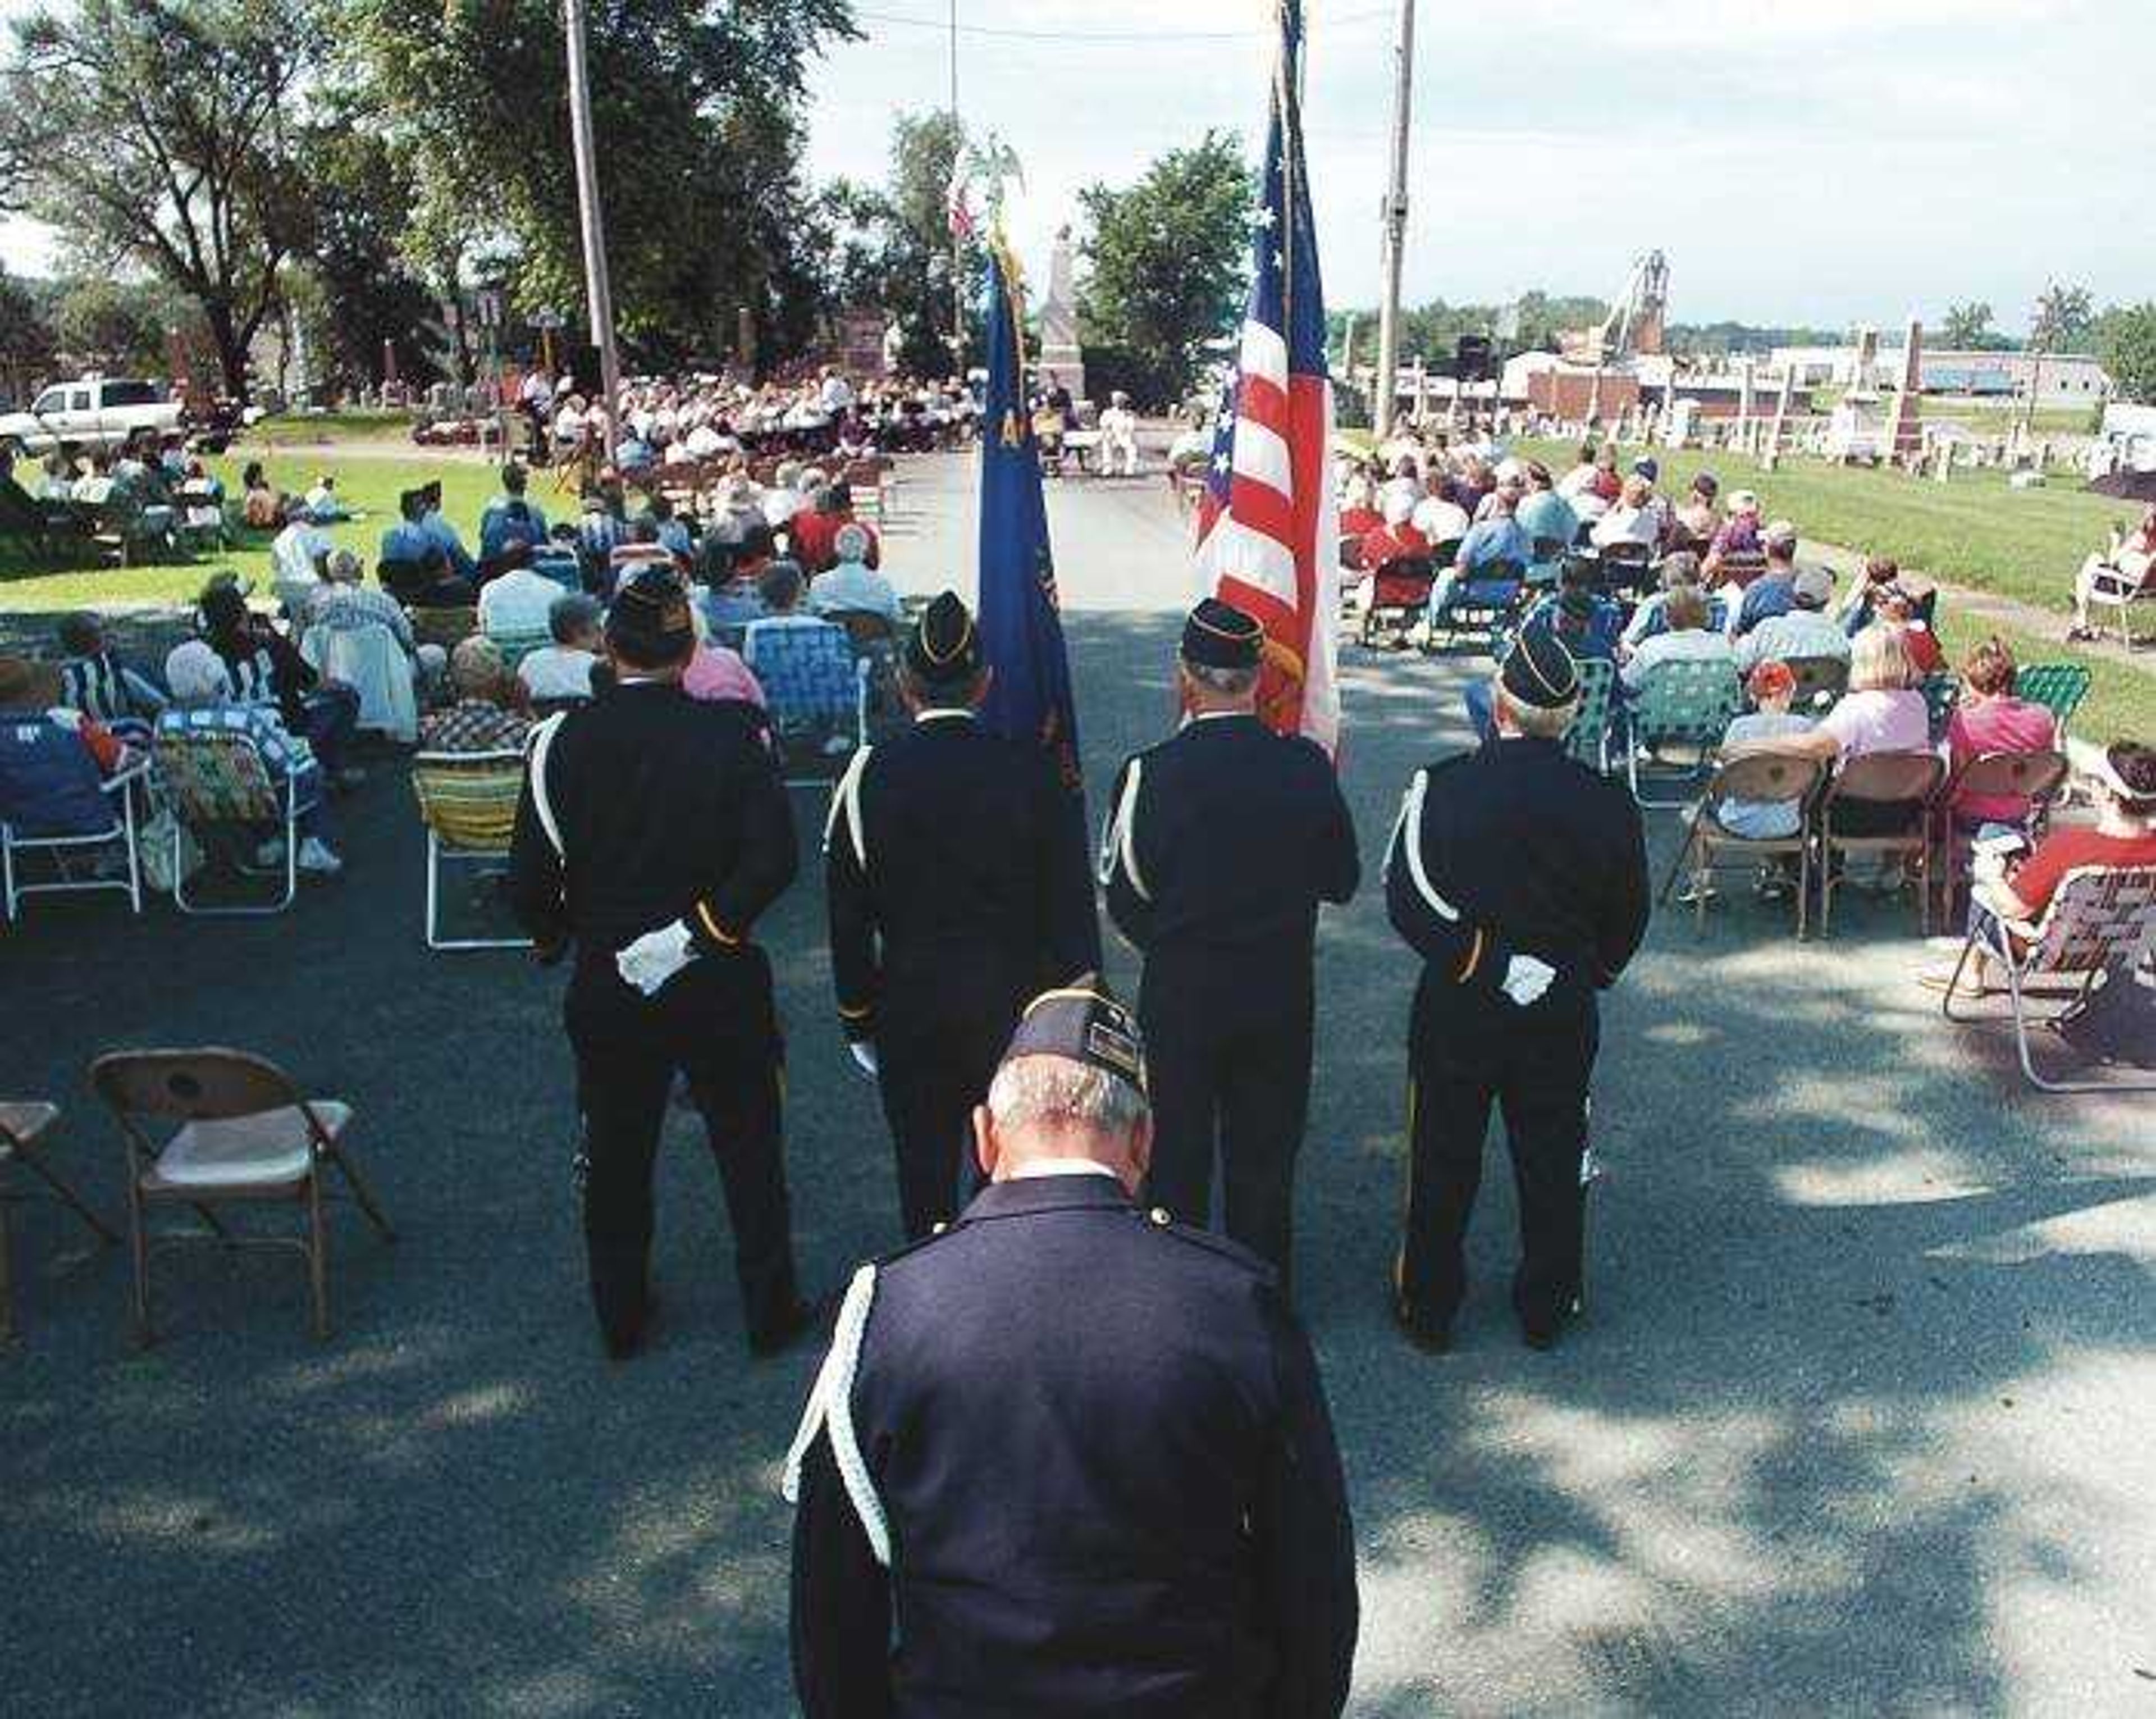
{"x": 715, "y": 1023}
{"x": 1228, "y": 1050}
{"x": 937, "y": 1044}
{"x": 1466, "y": 1050}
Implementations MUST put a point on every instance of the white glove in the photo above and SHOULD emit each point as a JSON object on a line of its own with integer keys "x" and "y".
{"x": 655, "y": 957}
{"x": 1525, "y": 979}
{"x": 864, "y": 1058}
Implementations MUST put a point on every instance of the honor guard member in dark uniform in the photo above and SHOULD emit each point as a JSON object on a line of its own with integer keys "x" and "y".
{"x": 957, "y": 892}
{"x": 1070, "y": 1457}
{"x": 652, "y": 833}
{"x": 1219, "y": 844}
{"x": 1520, "y": 877}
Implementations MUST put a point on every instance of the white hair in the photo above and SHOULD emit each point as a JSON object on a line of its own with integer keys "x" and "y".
{"x": 344, "y": 567}
{"x": 850, "y": 543}
{"x": 196, "y": 674}
{"x": 1056, "y": 1091}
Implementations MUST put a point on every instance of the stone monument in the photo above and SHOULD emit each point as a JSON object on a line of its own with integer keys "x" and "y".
{"x": 1908, "y": 438}
{"x": 1060, "y": 358}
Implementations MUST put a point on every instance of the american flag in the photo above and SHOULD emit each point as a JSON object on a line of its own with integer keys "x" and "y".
{"x": 1268, "y": 523}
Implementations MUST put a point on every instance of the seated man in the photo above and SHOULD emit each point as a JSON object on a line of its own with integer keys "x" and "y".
{"x": 563, "y": 669}
{"x": 1495, "y": 547}
{"x": 1589, "y": 624}
{"x": 325, "y": 505}
{"x": 486, "y": 716}
{"x": 1674, "y": 573}
{"x": 95, "y": 681}
{"x": 1686, "y": 637}
{"x": 735, "y": 599}
{"x": 516, "y": 603}
{"x": 852, "y": 587}
{"x": 781, "y": 589}
{"x": 2123, "y": 836}
{"x": 1548, "y": 519}
{"x": 1633, "y": 520}
{"x": 444, "y": 535}
{"x": 346, "y": 602}
{"x": 1119, "y": 435}
{"x": 203, "y": 701}
{"x": 814, "y": 531}
{"x": 1773, "y": 591}
{"x": 2127, "y": 570}
{"x": 1804, "y": 630}
{"x": 1697, "y": 518}
{"x": 414, "y": 566}
{"x": 297, "y": 557}
{"x": 34, "y": 690}
{"x": 509, "y": 518}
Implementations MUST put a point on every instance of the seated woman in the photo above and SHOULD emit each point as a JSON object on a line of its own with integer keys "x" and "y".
{"x": 262, "y": 667}
{"x": 261, "y": 505}
{"x": 488, "y": 715}
{"x": 563, "y": 669}
{"x": 205, "y": 700}
{"x": 2127, "y": 570}
{"x": 1881, "y": 713}
{"x": 1989, "y": 719}
{"x": 1772, "y": 687}
{"x": 1895, "y": 607}
{"x": 1686, "y": 637}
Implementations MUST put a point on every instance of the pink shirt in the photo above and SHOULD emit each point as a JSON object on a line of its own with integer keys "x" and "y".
{"x": 714, "y": 673}
{"x": 2002, "y": 724}
{"x": 1880, "y": 720}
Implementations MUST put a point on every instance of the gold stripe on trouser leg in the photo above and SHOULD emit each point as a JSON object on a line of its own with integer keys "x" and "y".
{"x": 1407, "y": 1197}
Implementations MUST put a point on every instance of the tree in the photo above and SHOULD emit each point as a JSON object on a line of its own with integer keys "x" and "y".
{"x": 1166, "y": 261}
{"x": 696, "y": 117}
{"x": 365, "y": 295}
{"x": 1965, "y": 327}
{"x": 153, "y": 133}
{"x": 26, "y": 341}
{"x": 103, "y": 324}
{"x": 2126, "y": 343}
{"x": 2064, "y": 318}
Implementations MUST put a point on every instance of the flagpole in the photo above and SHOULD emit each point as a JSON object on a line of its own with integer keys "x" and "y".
{"x": 1395, "y": 230}
{"x": 958, "y": 238}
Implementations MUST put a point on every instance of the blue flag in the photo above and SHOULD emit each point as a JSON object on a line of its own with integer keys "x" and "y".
{"x": 1021, "y": 623}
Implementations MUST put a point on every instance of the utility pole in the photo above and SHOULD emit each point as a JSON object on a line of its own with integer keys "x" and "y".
{"x": 957, "y": 237}
{"x": 598, "y": 289}
{"x": 1396, "y": 227}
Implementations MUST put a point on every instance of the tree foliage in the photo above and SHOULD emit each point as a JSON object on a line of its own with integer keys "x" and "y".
{"x": 2126, "y": 343}
{"x": 695, "y": 113}
{"x": 103, "y": 324}
{"x": 1967, "y": 327}
{"x": 27, "y": 339}
{"x": 2063, "y": 319}
{"x": 155, "y": 134}
{"x": 1167, "y": 262}
{"x": 366, "y": 294}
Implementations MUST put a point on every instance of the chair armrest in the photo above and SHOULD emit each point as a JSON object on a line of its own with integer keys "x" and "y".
{"x": 120, "y": 780}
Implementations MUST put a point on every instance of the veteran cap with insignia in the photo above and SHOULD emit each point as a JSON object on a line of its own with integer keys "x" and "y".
{"x": 1540, "y": 672}
{"x": 1219, "y": 635}
{"x": 944, "y": 650}
{"x": 649, "y": 621}
{"x": 1083, "y": 1023}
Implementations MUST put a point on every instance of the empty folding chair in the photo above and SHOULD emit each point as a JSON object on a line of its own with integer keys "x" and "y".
{"x": 25, "y": 1130}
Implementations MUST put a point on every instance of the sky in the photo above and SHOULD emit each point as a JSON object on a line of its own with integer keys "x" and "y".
{"x": 1819, "y": 161}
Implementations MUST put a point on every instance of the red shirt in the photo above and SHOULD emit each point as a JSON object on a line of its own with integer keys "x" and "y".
{"x": 1390, "y": 543}
{"x": 1923, "y": 646}
{"x": 814, "y": 536}
{"x": 2037, "y": 881}
{"x": 1360, "y": 521}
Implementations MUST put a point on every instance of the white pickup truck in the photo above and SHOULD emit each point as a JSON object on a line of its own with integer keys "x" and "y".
{"x": 97, "y": 412}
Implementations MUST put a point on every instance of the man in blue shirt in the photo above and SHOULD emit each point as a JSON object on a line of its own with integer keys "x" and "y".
{"x": 1774, "y": 591}
{"x": 1545, "y": 517}
{"x": 1494, "y": 538}
{"x": 509, "y": 518}
{"x": 439, "y": 531}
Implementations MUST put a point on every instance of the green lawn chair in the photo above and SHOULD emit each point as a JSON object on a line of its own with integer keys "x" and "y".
{"x": 1588, "y": 739}
{"x": 1681, "y": 708}
{"x": 2058, "y": 687}
{"x": 1942, "y": 690}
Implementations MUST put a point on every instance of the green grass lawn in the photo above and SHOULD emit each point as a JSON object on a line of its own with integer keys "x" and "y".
{"x": 369, "y": 486}
{"x": 328, "y": 429}
{"x": 1974, "y": 531}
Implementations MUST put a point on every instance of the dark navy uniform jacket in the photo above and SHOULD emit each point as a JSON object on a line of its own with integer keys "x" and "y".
{"x": 669, "y": 809}
{"x": 954, "y": 871}
{"x": 1109, "y": 1474}
{"x": 1517, "y": 849}
{"x": 1221, "y": 840}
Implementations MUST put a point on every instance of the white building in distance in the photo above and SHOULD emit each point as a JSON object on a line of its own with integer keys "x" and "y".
{"x": 2063, "y": 378}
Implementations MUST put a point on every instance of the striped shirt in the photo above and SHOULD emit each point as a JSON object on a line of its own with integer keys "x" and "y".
{"x": 283, "y": 754}
{"x": 107, "y": 689}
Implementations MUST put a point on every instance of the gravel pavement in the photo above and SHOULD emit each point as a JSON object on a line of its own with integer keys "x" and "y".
{"x": 1858, "y": 1421}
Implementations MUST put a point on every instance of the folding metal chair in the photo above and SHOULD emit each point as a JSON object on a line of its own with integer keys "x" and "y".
{"x": 244, "y": 1134}
{"x": 1684, "y": 708}
{"x": 25, "y": 1129}
{"x": 2100, "y": 919}
{"x": 1588, "y": 739}
{"x": 2058, "y": 687}
{"x": 1910, "y": 780}
{"x": 1759, "y": 776}
{"x": 1821, "y": 681}
{"x": 2036, "y": 778}
{"x": 217, "y": 787}
{"x": 76, "y": 814}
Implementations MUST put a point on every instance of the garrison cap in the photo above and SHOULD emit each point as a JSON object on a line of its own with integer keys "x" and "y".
{"x": 1083, "y": 1023}
{"x": 944, "y": 650}
{"x": 1540, "y": 672}
{"x": 1219, "y": 635}
{"x": 649, "y": 621}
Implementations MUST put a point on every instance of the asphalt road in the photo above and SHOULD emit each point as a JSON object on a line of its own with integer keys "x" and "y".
{"x": 1858, "y": 1421}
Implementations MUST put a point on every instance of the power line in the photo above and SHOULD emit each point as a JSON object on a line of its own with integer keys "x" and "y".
{"x": 1111, "y": 36}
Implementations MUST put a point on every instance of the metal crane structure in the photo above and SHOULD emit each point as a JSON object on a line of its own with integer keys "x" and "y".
{"x": 1634, "y": 326}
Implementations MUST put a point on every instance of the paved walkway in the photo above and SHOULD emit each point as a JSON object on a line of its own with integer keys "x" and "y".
{"x": 1858, "y": 1421}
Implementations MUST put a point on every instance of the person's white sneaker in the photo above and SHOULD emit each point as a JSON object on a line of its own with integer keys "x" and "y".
{"x": 270, "y": 853}
{"x": 315, "y": 858}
